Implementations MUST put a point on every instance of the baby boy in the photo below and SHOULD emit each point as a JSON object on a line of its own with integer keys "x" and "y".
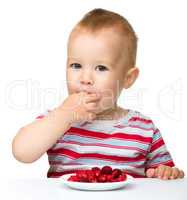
{"x": 89, "y": 129}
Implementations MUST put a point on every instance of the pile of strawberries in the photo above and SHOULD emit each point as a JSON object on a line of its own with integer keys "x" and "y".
{"x": 99, "y": 175}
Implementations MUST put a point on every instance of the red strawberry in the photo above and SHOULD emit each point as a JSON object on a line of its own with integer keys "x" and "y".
{"x": 124, "y": 175}
{"x": 96, "y": 171}
{"x": 95, "y": 168}
{"x": 73, "y": 178}
{"x": 116, "y": 173}
{"x": 109, "y": 177}
{"x": 82, "y": 175}
{"x": 93, "y": 179}
{"x": 121, "y": 178}
{"x": 95, "y": 174}
{"x": 102, "y": 178}
{"x": 106, "y": 170}
{"x": 91, "y": 176}
{"x": 114, "y": 180}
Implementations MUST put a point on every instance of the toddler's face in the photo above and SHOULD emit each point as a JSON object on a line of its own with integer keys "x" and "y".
{"x": 95, "y": 63}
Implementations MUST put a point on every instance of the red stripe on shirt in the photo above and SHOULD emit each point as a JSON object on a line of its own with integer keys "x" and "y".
{"x": 102, "y": 145}
{"x": 101, "y": 135}
{"x": 168, "y": 163}
{"x": 40, "y": 117}
{"x": 146, "y": 121}
{"x": 157, "y": 144}
{"x": 76, "y": 155}
{"x": 133, "y": 126}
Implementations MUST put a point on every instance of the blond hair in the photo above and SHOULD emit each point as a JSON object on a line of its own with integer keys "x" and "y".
{"x": 98, "y": 19}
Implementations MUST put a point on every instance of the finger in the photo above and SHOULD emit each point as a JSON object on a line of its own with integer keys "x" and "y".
{"x": 91, "y": 117}
{"x": 167, "y": 173}
{"x": 95, "y": 110}
{"x": 175, "y": 173}
{"x": 156, "y": 172}
{"x": 181, "y": 174}
{"x": 150, "y": 173}
{"x": 91, "y": 106}
{"x": 91, "y": 98}
{"x": 94, "y": 94}
{"x": 161, "y": 170}
{"x": 84, "y": 95}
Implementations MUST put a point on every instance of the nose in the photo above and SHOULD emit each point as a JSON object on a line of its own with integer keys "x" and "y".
{"x": 86, "y": 78}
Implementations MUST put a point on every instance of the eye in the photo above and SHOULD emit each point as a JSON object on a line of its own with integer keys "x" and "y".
{"x": 75, "y": 65}
{"x": 102, "y": 68}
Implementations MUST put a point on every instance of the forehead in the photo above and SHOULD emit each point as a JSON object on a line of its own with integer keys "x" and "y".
{"x": 104, "y": 44}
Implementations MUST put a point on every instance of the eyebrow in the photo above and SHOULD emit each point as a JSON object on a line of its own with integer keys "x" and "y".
{"x": 98, "y": 61}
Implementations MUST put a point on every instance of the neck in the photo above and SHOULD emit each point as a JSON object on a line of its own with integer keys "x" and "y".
{"x": 109, "y": 114}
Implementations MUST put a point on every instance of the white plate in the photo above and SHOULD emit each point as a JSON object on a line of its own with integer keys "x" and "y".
{"x": 94, "y": 186}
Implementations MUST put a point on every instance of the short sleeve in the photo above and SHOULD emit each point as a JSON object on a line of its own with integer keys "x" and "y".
{"x": 42, "y": 115}
{"x": 158, "y": 153}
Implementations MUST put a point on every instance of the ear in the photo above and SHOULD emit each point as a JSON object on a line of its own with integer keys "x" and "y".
{"x": 130, "y": 77}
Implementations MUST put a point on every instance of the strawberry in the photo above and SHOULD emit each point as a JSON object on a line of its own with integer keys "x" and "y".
{"x": 102, "y": 178}
{"x": 116, "y": 173}
{"x": 95, "y": 174}
{"x": 109, "y": 177}
{"x": 73, "y": 178}
{"x": 82, "y": 175}
{"x": 96, "y": 171}
{"x": 106, "y": 170}
{"x": 121, "y": 178}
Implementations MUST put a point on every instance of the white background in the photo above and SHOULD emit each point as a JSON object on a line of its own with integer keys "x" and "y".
{"x": 33, "y": 37}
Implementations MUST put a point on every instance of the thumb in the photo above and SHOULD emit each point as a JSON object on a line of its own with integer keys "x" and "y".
{"x": 150, "y": 173}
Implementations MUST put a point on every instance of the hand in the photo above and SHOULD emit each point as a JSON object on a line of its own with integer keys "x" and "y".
{"x": 164, "y": 172}
{"x": 81, "y": 106}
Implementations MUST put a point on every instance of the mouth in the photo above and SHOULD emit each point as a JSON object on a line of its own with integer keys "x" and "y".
{"x": 89, "y": 91}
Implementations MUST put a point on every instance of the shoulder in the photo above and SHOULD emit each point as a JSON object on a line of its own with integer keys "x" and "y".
{"x": 139, "y": 116}
{"x": 140, "y": 119}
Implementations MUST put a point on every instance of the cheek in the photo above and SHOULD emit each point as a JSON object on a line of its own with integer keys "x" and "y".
{"x": 72, "y": 83}
{"x": 110, "y": 92}
{"x": 109, "y": 87}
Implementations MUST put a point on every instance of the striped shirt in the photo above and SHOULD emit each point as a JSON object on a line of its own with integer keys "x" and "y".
{"x": 132, "y": 143}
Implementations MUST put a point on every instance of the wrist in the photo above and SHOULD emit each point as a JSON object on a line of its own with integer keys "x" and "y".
{"x": 64, "y": 114}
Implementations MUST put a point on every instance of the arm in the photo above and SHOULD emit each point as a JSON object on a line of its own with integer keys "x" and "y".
{"x": 34, "y": 139}
{"x": 158, "y": 153}
{"x": 159, "y": 161}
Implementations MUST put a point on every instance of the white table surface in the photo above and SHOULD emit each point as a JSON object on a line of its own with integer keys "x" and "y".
{"x": 54, "y": 189}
